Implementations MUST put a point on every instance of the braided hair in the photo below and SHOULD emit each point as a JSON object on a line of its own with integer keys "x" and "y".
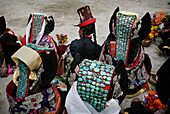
{"x": 87, "y": 30}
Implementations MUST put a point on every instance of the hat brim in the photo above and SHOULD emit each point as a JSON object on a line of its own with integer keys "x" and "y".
{"x": 85, "y": 23}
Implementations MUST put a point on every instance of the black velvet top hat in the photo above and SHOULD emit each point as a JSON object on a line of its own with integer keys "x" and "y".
{"x": 2, "y": 25}
{"x": 85, "y": 15}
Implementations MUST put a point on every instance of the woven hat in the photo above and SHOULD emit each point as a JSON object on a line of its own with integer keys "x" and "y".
{"x": 2, "y": 25}
{"x": 85, "y": 15}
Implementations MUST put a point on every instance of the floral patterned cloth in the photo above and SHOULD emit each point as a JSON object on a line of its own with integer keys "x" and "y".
{"x": 45, "y": 101}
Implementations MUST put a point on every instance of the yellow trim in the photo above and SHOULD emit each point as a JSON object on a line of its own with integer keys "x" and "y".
{"x": 159, "y": 50}
{"x": 166, "y": 47}
{"x": 125, "y": 113}
{"x": 136, "y": 94}
{"x": 153, "y": 73}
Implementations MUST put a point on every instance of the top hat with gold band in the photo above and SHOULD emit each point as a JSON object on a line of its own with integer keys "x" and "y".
{"x": 86, "y": 17}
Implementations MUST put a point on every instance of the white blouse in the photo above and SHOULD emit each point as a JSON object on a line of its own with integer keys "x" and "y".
{"x": 75, "y": 105}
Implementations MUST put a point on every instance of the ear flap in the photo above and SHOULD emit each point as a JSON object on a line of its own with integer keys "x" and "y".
{"x": 76, "y": 61}
{"x": 111, "y": 36}
{"x": 113, "y": 20}
{"x": 120, "y": 70}
{"x": 50, "y": 25}
{"x": 145, "y": 26}
{"x": 2, "y": 25}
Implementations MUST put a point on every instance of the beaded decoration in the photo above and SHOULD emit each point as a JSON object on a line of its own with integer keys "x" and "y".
{"x": 23, "y": 79}
{"x": 94, "y": 83}
{"x": 36, "y": 25}
{"x": 124, "y": 25}
{"x": 38, "y": 48}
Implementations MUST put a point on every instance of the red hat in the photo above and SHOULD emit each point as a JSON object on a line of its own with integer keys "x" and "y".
{"x": 86, "y": 17}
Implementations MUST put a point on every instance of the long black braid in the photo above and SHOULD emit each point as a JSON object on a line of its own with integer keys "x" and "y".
{"x": 95, "y": 43}
{"x": 87, "y": 30}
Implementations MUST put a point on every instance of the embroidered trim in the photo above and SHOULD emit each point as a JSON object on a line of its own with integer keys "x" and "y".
{"x": 36, "y": 26}
{"x": 23, "y": 80}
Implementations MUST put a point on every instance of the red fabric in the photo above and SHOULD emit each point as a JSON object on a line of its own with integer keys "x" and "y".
{"x": 87, "y": 22}
{"x": 24, "y": 40}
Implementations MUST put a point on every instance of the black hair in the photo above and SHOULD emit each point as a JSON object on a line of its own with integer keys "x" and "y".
{"x": 87, "y": 30}
{"x": 2, "y": 25}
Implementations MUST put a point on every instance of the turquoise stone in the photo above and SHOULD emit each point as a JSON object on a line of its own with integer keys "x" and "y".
{"x": 93, "y": 64}
{"x": 78, "y": 91}
{"x": 91, "y": 68}
{"x": 102, "y": 85}
{"x": 106, "y": 91}
{"x": 104, "y": 77}
{"x": 92, "y": 90}
{"x": 87, "y": 96}
{"x": 95, "y": 99}
{"x": 110, "y": 75}
{"x": 78, "y": 83}
{"x": 103, "y": 81}
{"x": 98, "y": 80}
{"x": 94, "y": 78}
{"x": 97, "y": 84}
{"x": 80, "y": 79}
{"x": 108, "y": 78}
{"x": 111, "y": 71}
{"x": 83, "y": 95}
{"x": 88, "y": 89}
{"x": 86, "y": 68}
{"x": 81, "y": 70}
{"x": 89, "y": 73}
{"x": 100, "y": 93}
{"x": 89, "y": 81}
{"x": 101, "y": 90}
{"x": 83, "y": 88}
{"x": 94, "y": 83}
{"x": 103, "y": 73}
{"x": 107, "y": 83}
{"x": 84, "y": 77}
{"x": 102, "y": 104}
{"x": 98, "y": 107}
{"x": 84, "y": 72}
{"x": 87, "y": 85}
{"x": 96, "y": 70}
{"x": 107, "y": 70}
{"x": 83, "y": 92}
{"x": 98, "y": 63}
{"x": 93, "y": 87}
{"x": 104, "y": 99}
{"x": 83, "y": 84}
{"x": 104, "y": 95}
{"x": 89, "y": 77}
{"x": 87, "y": 93}
{"x": 79, "y": 87}
{"x": 97, "y": 88}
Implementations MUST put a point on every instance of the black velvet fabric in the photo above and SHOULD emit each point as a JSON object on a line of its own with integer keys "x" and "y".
{"x": 162, "y": 86}
{"x": 120, "y": 70}
{"x": 137, "y": 108}
{"x": 9, "y": 45}
{"x": 77, "y": 46}
{"x": 2, "y": 25}
{"x": 50, "y": 65}
{"x": 134, "y": 49}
